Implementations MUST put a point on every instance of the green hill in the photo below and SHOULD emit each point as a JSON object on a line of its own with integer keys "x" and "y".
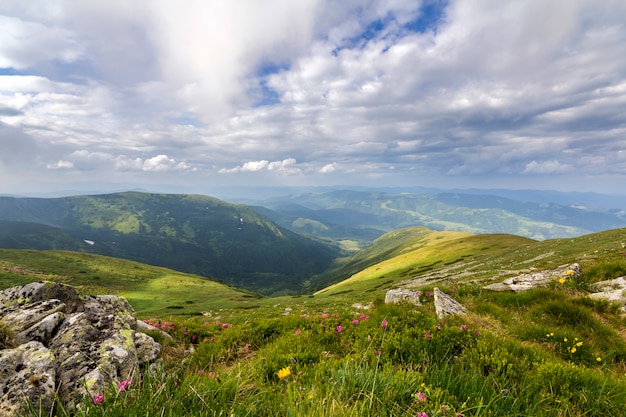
{"x": 551, "y": 351}
{"x": 190, "y": 233}
{"x": 151, "y": 290}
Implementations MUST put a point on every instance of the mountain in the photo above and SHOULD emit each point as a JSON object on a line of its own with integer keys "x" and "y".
{"x": 190, "y": 233}
{"x": 363, "y": 215}
{"x": 152, "y": 291}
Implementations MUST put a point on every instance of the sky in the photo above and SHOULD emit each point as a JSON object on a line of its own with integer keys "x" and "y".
{"x": 209, "y": 93}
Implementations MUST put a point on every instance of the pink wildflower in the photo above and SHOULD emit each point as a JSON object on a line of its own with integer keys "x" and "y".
{"x": 463, "y": 327}
{"x": 298, "y": 331}
{"x": 200, "y": 372}
{"x": 355, "y": 321}
{"x": 384, "y": 324}
{"x": 98, "y": 399}
{"x": 420, "y": 397}
{"x": 422, "y": 414}
{"x": 428, "y": 335}
{"x": 123, "y": 385}
{"x": 339, "y": 328}
{"x": 376, "y": 352}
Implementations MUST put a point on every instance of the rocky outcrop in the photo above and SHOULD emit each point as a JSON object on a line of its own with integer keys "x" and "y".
{"x": 527, "y": 281}
{"x": 445, "y": 305}
{"x": 68, "y": 347}
{"x": 612, "y": 290}
{"x": 402, "y": 296}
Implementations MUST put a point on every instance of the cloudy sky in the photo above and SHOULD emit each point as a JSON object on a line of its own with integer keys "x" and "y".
{"x": 204, "y": 93}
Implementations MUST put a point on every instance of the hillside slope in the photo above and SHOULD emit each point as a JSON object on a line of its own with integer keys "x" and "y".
{"x": 190, "y": 233}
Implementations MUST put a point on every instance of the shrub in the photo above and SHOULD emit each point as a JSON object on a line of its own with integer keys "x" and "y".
{"x": 7, "y": 340}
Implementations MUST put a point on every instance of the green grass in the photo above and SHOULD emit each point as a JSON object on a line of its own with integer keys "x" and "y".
{"x": 546, "y": 352}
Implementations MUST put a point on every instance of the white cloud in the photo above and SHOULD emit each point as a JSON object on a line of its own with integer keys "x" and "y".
{"x": 546, "y": 167}
{"x": 61, "y": 165}
{"x": 499, "y": 88}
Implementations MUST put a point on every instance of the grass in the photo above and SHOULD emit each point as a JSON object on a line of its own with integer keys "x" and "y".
{"x": 545, "y": 352}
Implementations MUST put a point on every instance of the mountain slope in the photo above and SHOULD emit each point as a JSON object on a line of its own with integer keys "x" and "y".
{"x": 152, "y": 291}
{"x": 451, "y": 258}
{"x": 190, "y": 233}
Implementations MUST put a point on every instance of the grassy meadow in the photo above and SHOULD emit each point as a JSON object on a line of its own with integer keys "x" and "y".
{"x": 546, "y": 352}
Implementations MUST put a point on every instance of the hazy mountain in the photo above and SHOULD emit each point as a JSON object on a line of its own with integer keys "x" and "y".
{"x": 365, "y": 215}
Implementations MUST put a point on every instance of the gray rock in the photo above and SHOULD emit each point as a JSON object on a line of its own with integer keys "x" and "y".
{"x": 27, "y": 380}
{"x": 527, "y": 281}
{"x": 400, "y": 296}
{"x": 612, "y": 290}
{"x": 446, "y": 305}
{"x": 71, "y": 346}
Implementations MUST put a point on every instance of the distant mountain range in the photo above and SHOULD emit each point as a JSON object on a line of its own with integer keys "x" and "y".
{"x": 364, "y": 215}
{"x": 280, "y": 245}
{"x": 189, "y": 233}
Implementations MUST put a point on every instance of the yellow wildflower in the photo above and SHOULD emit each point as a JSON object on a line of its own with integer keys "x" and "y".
{"x": 579, "y": 344}
{"x": 569, "y": 272}
{"x": 599, "y": 359}
{"x": 565, "y": 339}
{"x": 573, "y": 350}
{"x": 284, "y": 373}
{"x": 561, "y": 280}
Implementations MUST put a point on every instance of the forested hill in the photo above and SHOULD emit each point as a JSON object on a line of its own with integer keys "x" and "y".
{"x": 189, "y": 233}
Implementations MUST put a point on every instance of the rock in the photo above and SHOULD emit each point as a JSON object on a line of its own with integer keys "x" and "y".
{"x": 400, "y": 295}
{"x": 446, "y": 305}
{"x": 90, "y": 342}
{"x": 40, "y": 291}
{"x": 527, "y": 281}
{"x": 612, "y": 290}
{"x": 27, "y": 380}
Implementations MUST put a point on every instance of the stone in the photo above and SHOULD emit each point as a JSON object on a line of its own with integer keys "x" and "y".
{"x": 611, "y": 290}
{"x": 445, "y": 305}
{"x": 27, "y": 380}
{"x": 527, "y": 281}
{"x": 399, "y": 295}
{"x": 70, "y": 347}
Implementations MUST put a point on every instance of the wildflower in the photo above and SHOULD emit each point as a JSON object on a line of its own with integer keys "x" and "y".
{"x": 248, "y": 345}
{"x": 420, "y": 396}
{"x": 284, "y": 373}
{"x": 376, "y": 352}
{"x": 200, "y": 372}
{"x": 384, "y": 324}
{"x": 565, "y": 339}
{"x": 339, "y": 328}
{"x": 212, "y": 374}
{"x": 599, "y": 359}
{"x": 98, "y": 399}
{"x": 573, "y": 350}
{"x": 561, "y": 280}
{"x": 579, "y": 344}
{"x": 123, "y": 385}
{"x": 569, "y": 272}
{"x": 428, "y": 335}
{"x": 437, "y": 327}
{"x": 355, "y": 321}
{"x": 298, "y": 331}
{"x": 422, "y": 414}
{"x": 463, "y": 327}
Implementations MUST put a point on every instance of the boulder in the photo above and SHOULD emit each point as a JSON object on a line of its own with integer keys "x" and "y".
{"x": 72, "y": 346}
{"x": 27, "y": 380}
{"x": 524, "y": 282}
{"x": 445, "y": 305}
{"x": 402, "y": 296}
{"x": 612, "y": 290}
